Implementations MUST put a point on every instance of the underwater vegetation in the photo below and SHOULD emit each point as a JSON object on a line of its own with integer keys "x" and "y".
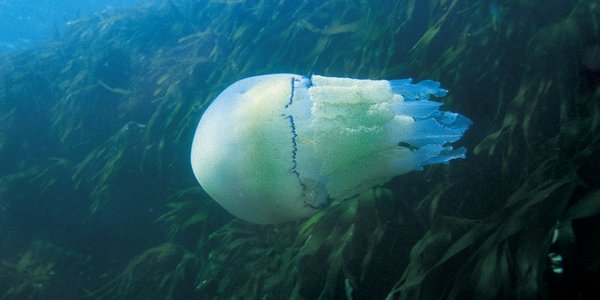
{"x": 26, "y": 276}
{"x": 98, "y": 200}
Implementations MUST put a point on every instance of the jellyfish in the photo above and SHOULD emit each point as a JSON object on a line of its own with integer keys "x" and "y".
{"x": 279, "y": 147}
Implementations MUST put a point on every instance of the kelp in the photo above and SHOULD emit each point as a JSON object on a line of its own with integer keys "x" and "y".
{"x": 98, "y": 168}
{"x": 25, "y": 278}
{"x": 188, "y": 213}
{"x": 335, "y": 253}
{"x": 35, "y": 272}
{"x": 95, "y": 131}
{"x": 501, "y": 257}
{"x": 165, "y": 267}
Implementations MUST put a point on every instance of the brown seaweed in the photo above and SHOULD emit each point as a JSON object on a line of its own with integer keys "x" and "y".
{"x": 101, "y": 122}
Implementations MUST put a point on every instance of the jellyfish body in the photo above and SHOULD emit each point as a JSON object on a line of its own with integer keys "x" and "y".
{"x": 276, "y": 148}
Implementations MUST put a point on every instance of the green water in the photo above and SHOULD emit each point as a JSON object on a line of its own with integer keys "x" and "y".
{"x": 98, "y": 199}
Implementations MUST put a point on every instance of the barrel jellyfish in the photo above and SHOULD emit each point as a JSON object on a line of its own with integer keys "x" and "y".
{"x": 278, "y": 147}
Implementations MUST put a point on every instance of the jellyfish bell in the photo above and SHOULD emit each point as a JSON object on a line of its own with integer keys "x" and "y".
{"x": 276, "y": 148}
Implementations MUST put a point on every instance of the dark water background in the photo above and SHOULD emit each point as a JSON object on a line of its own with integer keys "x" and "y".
{"x": 97, "y": 197}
